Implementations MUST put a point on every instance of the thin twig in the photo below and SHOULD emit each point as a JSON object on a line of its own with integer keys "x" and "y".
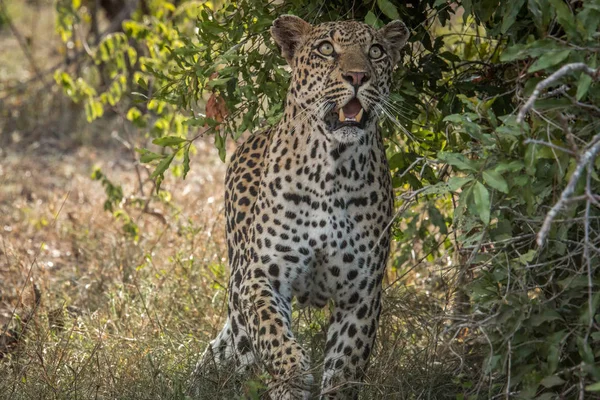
{"x": 508, "y": 368}
{"x": 552, "y": 79}
{"x": 551, "y": 145}
{"x": 586, "y": 252}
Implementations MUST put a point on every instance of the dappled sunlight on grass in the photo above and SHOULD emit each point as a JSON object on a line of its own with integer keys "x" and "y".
{"x": 132, "y": 305}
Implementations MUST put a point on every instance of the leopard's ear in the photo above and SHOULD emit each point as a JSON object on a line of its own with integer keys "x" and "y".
{"x": 396, "y": 34}
{"x": 289, "y": 32}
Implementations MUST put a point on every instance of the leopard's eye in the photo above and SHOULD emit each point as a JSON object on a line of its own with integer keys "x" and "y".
{"x": 326, "y": 48}
{"x": 376, "y": 52}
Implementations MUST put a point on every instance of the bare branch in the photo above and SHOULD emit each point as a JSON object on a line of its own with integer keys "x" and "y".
{"x": 22, "y": 42}
{"x": 588, "y": 156}
{"x": 551, "y": 145}
{"x": 562, "y": 89}
{"x": 552, "y": 79}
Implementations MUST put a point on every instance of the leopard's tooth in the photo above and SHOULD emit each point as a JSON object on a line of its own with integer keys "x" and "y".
{"x": 342, "y": 116}
{"x": 359, "y": 115}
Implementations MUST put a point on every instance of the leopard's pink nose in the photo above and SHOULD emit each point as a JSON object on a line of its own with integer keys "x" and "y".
{"x": 356, "y": 78}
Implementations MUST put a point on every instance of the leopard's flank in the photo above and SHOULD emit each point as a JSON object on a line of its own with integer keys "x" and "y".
{"x": 308, "y": 205}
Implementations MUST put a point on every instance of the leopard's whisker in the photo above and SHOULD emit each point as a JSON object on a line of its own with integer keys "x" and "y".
{"x": 397, "y": 106}
{"x": 307, "y": 112}
{"x": 391, "y": 118}
{"x": 391, "y": 108}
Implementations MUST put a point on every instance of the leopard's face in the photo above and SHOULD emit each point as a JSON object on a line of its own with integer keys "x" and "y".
{"x": 341, "y": 71}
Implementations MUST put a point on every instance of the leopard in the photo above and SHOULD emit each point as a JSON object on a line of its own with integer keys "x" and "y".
{"x": 308, "y": 206}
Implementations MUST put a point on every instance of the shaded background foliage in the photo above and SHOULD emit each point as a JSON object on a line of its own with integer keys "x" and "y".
{"x": 518, "y": 310}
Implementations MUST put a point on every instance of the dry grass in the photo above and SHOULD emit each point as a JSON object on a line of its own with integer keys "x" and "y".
{"x": 113, "y": 312}
{"x": 125, "y": 319}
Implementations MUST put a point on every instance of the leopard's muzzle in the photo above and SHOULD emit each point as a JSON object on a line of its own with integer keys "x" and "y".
{"x": 351, "y": 114}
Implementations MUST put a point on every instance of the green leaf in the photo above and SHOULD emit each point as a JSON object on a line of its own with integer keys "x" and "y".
{"x": 549, "y": 59}
{"x": 537, "y": 13}
{"x": 396, "y": 161}
{"x": 583, "y": 85}
{"x": 456, "y": 118}
{"x": 585, "y": 81}
{"x": 548, "y": 314}
{"x": 594, "y": 387}
{"x": 589, "y": 18}
{"x": 388, "y": 9}
{"x": 64, "y": 80}
{"x": 371, "y": 19}
{"x": 533, "y": 49}
{"x": 218, "y": 82}
{"x": 462, "y": 202}
{"x": 482, "y": 202}
{"x": 551, "y": 381}
{"x": 565, "y": 17}
{"x": 220, "y": 145}
{"x": 162, "y": 166}
{"x": 96, "y": 174}
{"x": 585, "y": 351}
{"x": 168, "y": 141}
{"x": 133, "y": 114}
{"x": 148, "y": 156}
{"x": 510, "y": 14}
{"x": 186, "y": 161}
{"x": 495, "y": 180}
{"x": 450, "y": 57}
{"x": 457, "y": 160}
{"x": 527, "y": 257}
{"x": 512, "y": 166}
{"x": 456, "y": 182}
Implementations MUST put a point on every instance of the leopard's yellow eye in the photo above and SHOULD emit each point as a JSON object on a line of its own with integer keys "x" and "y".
{"x": 326, "y": 48}
{"x": 376, "y": 52}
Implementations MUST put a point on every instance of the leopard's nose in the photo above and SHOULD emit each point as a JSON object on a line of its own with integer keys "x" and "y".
{"x": 356, "y": 78}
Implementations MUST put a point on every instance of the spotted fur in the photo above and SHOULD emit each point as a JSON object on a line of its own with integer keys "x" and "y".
{"x": 307, "y": 210}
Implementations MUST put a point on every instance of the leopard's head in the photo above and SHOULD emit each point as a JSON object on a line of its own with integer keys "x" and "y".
{"x": 341, "y": 71}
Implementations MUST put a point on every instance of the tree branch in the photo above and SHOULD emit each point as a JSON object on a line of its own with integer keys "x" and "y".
{"x": 22, "y": 42}
{"x": 588, "y": 156}
{"x": 552, "y": 79}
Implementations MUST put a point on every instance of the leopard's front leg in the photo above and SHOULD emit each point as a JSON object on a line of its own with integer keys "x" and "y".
{"x": 261, "y": 323}
{"x": 350, "y": 340}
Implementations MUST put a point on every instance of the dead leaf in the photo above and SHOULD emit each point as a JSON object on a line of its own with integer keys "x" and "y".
{"x": 216, "y": 108}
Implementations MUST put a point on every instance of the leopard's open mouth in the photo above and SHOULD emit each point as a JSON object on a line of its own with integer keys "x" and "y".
{"x": 351, "y": 114}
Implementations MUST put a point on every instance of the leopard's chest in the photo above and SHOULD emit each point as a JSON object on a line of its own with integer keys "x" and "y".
{"x": 318, "y": 212}
{"x": 320, "y": 233}
{"x": 323, "y": 202}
